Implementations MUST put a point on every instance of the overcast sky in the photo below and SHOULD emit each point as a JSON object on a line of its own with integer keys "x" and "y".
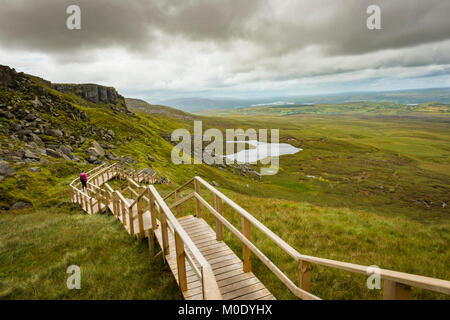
{"x": 162, "y": 49}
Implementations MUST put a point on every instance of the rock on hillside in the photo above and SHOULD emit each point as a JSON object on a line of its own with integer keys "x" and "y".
{"x": 96, "y": 94}
{"x": 37, "y": 123}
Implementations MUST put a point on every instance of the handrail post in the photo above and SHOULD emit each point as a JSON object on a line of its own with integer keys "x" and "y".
{"x": 304, "y": 275}
{"x": 107, "y": 199}
{"x": 86, "y": 205}
{"x": 396, "y": 291}
{"x": 219, "y": 225}
{"x": 198, "y": 207}
{"x": 151, "y": 235}
{"x": 122, "y": 206}
{"x": 131, "y": 220}
{"x": 140, "y": 218}
{"x": 181, "y": 262}
{"x": 99, "y": 202}
{"x": 164, "y": 233}
{"x": 246, "y": 253}
{"x": 177, "y": 197}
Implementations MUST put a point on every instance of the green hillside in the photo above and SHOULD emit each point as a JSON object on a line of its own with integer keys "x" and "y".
{"x": 366, "y": 189}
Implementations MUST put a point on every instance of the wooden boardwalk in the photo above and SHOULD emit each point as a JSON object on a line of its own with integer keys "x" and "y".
{"x": 202, "y": 264}
{"x": 233, "y": 283}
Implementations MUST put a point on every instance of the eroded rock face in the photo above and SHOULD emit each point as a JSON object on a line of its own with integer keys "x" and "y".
{"x": 91, "y": 92}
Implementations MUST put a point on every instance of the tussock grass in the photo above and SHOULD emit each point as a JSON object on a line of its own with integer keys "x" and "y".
{"x": 37, "y": 247}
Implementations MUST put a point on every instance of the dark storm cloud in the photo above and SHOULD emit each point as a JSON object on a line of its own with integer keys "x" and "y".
{"x": 276, "y": 27}
{"x": 234, "y": 45}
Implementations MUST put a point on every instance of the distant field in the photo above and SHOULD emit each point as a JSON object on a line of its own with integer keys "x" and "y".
{"x": 370, "y": 108}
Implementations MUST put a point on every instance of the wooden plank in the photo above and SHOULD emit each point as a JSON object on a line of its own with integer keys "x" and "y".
{"x": 236, "y": 278}
{"x": 255, "y": 295}
{"x": 228, "y": 273}
{"x": 243, "y": 291}
{"x": 239, "y": 285}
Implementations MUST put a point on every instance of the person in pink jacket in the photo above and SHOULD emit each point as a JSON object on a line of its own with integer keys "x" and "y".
{"x": 83, "y": 180}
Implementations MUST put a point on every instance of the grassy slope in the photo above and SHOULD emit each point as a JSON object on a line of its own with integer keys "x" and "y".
{"x": 345, "y": 219}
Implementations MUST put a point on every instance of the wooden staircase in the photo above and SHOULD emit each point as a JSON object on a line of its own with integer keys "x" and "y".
{"x": 202, "y": 263}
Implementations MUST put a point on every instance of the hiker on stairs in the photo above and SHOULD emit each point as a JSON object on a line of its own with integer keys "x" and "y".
{"x": 83, "y": 180}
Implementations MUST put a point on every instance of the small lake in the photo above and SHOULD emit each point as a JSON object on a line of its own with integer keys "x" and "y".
{"x": 261, "y": 150}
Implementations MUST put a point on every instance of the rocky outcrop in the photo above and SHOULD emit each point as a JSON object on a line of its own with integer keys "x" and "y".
{"x": 91, "y": 92}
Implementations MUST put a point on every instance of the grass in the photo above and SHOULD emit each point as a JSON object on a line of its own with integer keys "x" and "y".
{"x": 377, "y": 200}
{"x": 336, "y": 233}
{"x": 38, "y": 246}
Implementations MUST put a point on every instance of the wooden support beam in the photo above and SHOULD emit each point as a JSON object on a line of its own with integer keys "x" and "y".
{"x": 181, "y": 262}
{"x": 177, "y": 197}
{"x": 107, "y": 197}
{"x": 99, "y": 202}
{"x": 304, "y": 275}
{"x": 151, "y": 242}
{"x": 165, "y": 234}
{"x": 246, "y": 252}
{"x": 86, "y": 205}
{"x": 124, "y": 216}
{"x": 91, "y": 204}
{"x": 140, "y": 219}
{"x": 198, "y": 207}
{"x": 396, "y": 291}
{"x": 219, "y": 225}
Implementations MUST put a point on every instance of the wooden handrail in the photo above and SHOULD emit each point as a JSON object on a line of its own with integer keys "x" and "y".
{"x": 438, "y": 285}
{"x": 181, "y": 201}
{"x": 394, "y": 281}
{"x": 294, "y": 289}
{"x": 210, "y": 287}
{"x": 179, "y": 188}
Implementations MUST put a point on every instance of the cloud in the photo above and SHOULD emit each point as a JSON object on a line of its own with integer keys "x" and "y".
{"x": 229, "y": 46}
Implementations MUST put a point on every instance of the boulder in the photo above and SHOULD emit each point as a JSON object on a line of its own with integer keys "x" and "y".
{"x": 30, "y": 117}
{"x": 31, "y": 155}
{"x": 215, "y": 184}
{"x": 21, "y": 205}
{"x": 36, "y": 139}
{"x": 66, "y": 151}
{"x": 6, "y": 169}
{"x": 151, "y": 158}
{"x": 107, "y": 146}
{"x": 35, "y": 169}
{"x": 53, "y": 153}
{"x": 99, "y": 151}
{"x": 15, "y": 126}
{"x": 36, "y": 103}
{"x": 92, "y": 159}
{"x": 24, "y": 132}
{"x": 6, "y": 114}
{"x": 54, "y": 132}
{"x": 111, "y": 133}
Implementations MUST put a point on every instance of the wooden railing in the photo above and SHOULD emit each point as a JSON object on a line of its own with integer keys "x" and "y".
{"x": 146, "y": 201}
{"x": 397, "y": 285}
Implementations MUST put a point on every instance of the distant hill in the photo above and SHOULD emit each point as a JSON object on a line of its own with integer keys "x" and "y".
{"x": 415, "y": 96}
{"x": 144, "y": 106}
